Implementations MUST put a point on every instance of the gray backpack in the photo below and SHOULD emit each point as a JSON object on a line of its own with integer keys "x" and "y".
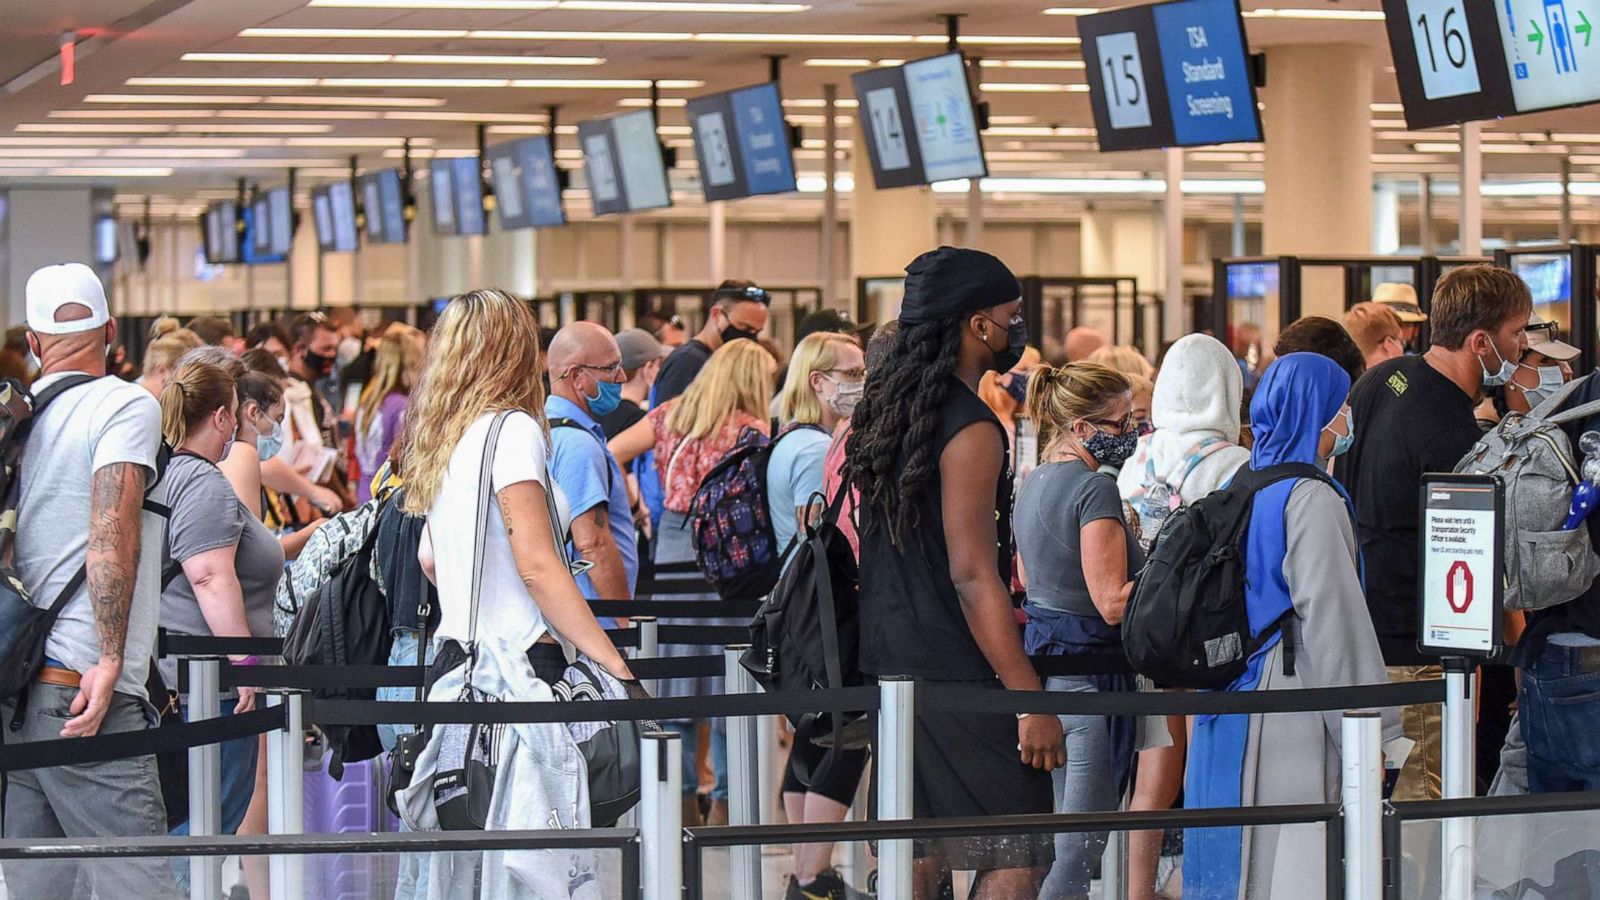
{"x": 1532, "y": 459}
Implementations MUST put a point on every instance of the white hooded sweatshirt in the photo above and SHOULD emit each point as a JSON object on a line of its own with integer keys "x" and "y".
{"x": 1196, "y": 398}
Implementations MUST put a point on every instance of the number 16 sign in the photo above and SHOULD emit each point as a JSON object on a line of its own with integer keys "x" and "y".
{"x": 1444, "y": 48}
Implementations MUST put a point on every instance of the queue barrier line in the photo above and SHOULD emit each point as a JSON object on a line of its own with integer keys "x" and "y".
{"x": 624, "y": 840}
{"x": 125, "y": 744}
{"x": 376, "y": 712}
{"x": 311, "y": 678}
{"x": 935, "y": 696}
{"x": 676, "y": 609}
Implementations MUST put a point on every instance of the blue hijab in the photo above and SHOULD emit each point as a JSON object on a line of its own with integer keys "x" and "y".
{"x": 1298, "y": 396}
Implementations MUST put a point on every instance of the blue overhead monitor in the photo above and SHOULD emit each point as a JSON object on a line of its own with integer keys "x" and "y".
{"x": 1173, "y": 74}
{"x": 220, "y": 231}
{"x": 505, "y": 173}
{"x": 342, "y": 209}
{"x": 623, "y": 162}
{"x": 466, "y": 176}
{"x": 742, "y": 143}
{"x": 254, "y": 250}
{"x": 443, "y": 197}
{"x": 383, "y": 201}
{"x": 921, "y": 122}
{"x": 541, "y": 182}
{"x": 322, "y": 218}
{"x": 280, "y": 221}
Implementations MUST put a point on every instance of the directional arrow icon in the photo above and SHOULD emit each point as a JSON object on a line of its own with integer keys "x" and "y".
{"x": 1536, "y": 37}
{"x": 1584, "y": 28}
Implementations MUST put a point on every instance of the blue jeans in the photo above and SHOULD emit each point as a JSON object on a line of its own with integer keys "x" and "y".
{"x": 719, "y": 756}
{"x": 238, "y": 777}
{"x": 403, "y": 653}
{"x": 1559, "y": 709}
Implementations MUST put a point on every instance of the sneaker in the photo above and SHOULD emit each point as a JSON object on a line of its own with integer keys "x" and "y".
{"x": 828, "y": 886}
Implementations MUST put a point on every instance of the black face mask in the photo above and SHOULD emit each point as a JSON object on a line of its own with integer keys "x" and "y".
{"x": 1016, "y": 343}
{"x": 733, "y": 332}
{"x": 317, "y": 363}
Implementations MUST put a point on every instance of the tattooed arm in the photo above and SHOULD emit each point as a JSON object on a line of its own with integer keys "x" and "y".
{"x": 115, "y": 499}
{"x": 527, "y": 518}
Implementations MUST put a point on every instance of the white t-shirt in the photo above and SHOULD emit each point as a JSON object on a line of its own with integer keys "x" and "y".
{"x": 91, "y": 426}
{"x": 506, "y": 610}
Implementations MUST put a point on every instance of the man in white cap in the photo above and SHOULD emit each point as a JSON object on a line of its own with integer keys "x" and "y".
{"x": 90, "y": 455}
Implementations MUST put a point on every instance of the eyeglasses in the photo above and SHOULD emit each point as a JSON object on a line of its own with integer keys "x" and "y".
{"x": 1122, "y": 425}
{"x": 613, "y": 369}
{"x": 858, "y": 374}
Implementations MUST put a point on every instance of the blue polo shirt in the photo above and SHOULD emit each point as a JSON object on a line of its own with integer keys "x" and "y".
{"x": 588, "y": 474}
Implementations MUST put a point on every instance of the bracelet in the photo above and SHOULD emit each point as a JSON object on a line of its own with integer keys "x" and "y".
{"x": 246, "y": 661}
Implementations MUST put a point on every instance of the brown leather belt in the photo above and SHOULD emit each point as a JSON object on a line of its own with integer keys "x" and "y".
{"x": 59, "y": 677}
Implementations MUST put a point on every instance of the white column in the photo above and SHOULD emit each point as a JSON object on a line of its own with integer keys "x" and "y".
{"x": 719, "y": 241}
{"x": 1471, "y": 189}
{"x": 1385, "y": 219}
{"x": 1172, "y": 312}
{"x": 974, "y": 235}
{"x": 827, "y": 276}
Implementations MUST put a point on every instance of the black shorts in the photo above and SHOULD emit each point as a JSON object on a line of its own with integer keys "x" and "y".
{"x": 832, "y": 773}
{"x": 967, "y": 765}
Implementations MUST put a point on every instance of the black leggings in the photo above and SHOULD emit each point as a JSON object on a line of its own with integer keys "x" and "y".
{"x": 839, "y": 777}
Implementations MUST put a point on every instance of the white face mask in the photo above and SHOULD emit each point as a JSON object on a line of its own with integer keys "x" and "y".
{"x": 846, "y": 397}
{"x": 1550, "y": 381}
{"x": 1507, "y": 369}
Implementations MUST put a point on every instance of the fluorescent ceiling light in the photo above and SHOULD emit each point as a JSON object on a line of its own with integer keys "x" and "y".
{"x": 343, "y": 142}
{"x": 130, "y": 172}
{"x": 337, "y": 114}
{"x": 1001, "y": 40}
{"x": 1031, "y": 63}
{"x": 191, "y": 140}
{"x": 92, "y": 128}
{"x": 463, "y": 59}
{"x": 630, "y": 84}
{"x": 578, "y": 83}
{"x": 1025, "y": 87}
{"x": 433, "y": 116}
{"x": 390, "y": 34}
{"x": 809, "y": 103}
{"x": 308, "y": 100}
{"x": 191, "y": 152}
{"x": 1388, "y": 107}
{"x": 1343, "y": 15}
{"x": 254, "y": 128}
{"x": 631, "y": 36}
{"x": 131, "y": 113}
{"x": 1071, "y": 11}
{"x": 780, "y": 38}
{"x": 411, "y": 82}
{"x": 823, "y": 62}
{"x": 644, "y": 102}
{"x": 1012, "y": 120}
{"x": 213, "y": 81}
{"x": 214, "y": 99}
{"x": 710, "y": 6}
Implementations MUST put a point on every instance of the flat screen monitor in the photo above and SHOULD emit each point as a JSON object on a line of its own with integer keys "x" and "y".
{"x": 623, "y": 160}
{"x": 253, "y": 250}
{"x": 443, "y": 197}
{"x": 466, "y": 176}
{"x": 526, "y": 184}
{"x": 222, "y": 232}
{"x": 921, "y": 122}
{"x": 383, "y": 201}
{"x": 1173, "y": 74}
{"x": 505, "y": 173}
{"x": 1549, "y": 277}
{"x": 1252, "y": 279}
{"x": 741, "y": 141}
{"x": 342, "y": 208}
{"x": 280, "y": 219}
{"x": 322, "y": 218}
{"x": 105, "y": 240}
{"x": 371, "y": 207}
{"x": 1550, "y": 53}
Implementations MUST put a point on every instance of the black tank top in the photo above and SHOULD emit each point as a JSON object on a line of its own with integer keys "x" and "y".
{"x": 911, "y": 618}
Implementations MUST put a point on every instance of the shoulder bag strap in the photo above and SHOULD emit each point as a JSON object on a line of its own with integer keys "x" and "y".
{"x": 480, "y": 539}
{"x": 424, "y": 610}
{"x": 1197, "y": 454}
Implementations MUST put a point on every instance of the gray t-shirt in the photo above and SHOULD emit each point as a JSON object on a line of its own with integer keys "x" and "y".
{"x": 1055, "y": 502}
{"x": 88, "y": 428}
{"x": 206, "y": 515}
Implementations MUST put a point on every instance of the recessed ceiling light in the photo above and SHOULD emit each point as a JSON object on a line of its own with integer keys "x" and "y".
{"x": 131, "y": 113}
{"x": 197, "y": 81}
{"x": 214, "y": 99}
{"x": 1032, "y": 63}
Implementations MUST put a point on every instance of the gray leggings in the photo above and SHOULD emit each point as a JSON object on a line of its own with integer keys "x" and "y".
{"x": 1083, "y": 785}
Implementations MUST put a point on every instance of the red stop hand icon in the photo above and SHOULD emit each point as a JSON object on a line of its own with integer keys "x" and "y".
{"x": 1458, "y": 586}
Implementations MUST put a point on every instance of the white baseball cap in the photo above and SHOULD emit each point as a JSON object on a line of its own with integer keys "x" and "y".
{"x": 53, "y": 287}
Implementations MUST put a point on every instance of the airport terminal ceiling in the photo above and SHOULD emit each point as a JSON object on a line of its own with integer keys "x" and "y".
{"x": 175, "y": 100}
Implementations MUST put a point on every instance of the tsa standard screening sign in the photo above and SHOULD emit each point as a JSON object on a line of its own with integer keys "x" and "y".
{"x": 1462, "y": 563}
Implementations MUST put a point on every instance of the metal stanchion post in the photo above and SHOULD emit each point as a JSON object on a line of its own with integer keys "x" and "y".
{"x": 744, "y": 778}
{"x": 1361, "y": 751}
{"x": 767, "y": 767}
{"x": 1458, "y": 772}
{"x": 649, "y": 646}
{"x": 896, "y": 708}
{"x": 286, "y": 792}
{"x": 661, "y": 817}
{"x": 205, "y": 774}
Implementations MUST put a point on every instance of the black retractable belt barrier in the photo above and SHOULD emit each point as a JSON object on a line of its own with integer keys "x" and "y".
{"x": 371, "y": 712}
{"x": 934, "y": 696}
{"x": 703, "y": 635}
{"x": 675, "y": 609}
{"x": 310, "y": 678}
{"x": 170, "y": 644}
{"x": 125, "y": 744}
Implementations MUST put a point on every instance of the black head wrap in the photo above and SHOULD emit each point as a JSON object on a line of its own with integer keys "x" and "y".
{"x": 953, "y": 281}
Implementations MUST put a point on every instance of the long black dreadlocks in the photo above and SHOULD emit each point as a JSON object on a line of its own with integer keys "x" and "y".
{"x": 896, "y": 420}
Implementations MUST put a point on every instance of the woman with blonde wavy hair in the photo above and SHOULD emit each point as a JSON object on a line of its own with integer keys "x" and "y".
{"x": 690, "y": 435}
{"x": 513, "y": 610}
{"x": 396, "y": 367}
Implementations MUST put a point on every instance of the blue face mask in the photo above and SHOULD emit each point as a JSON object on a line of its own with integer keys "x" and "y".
{"x": 1342, "y": 442}
{"x": 1550, "y": 381}
{"x": 605, "y": 402}
{"x": 268, "y": 445}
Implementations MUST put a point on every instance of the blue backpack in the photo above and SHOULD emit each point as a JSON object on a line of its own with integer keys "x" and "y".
{"x": 730, "y": 522}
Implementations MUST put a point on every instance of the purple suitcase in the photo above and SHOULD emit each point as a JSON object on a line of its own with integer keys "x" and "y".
{"x": 352, "y": 805}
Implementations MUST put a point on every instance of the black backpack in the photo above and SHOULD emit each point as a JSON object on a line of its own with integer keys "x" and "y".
{"x": 1187, "y": 625}
{"x": 345, "y": 622}
{"x": 807, "y": 633}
